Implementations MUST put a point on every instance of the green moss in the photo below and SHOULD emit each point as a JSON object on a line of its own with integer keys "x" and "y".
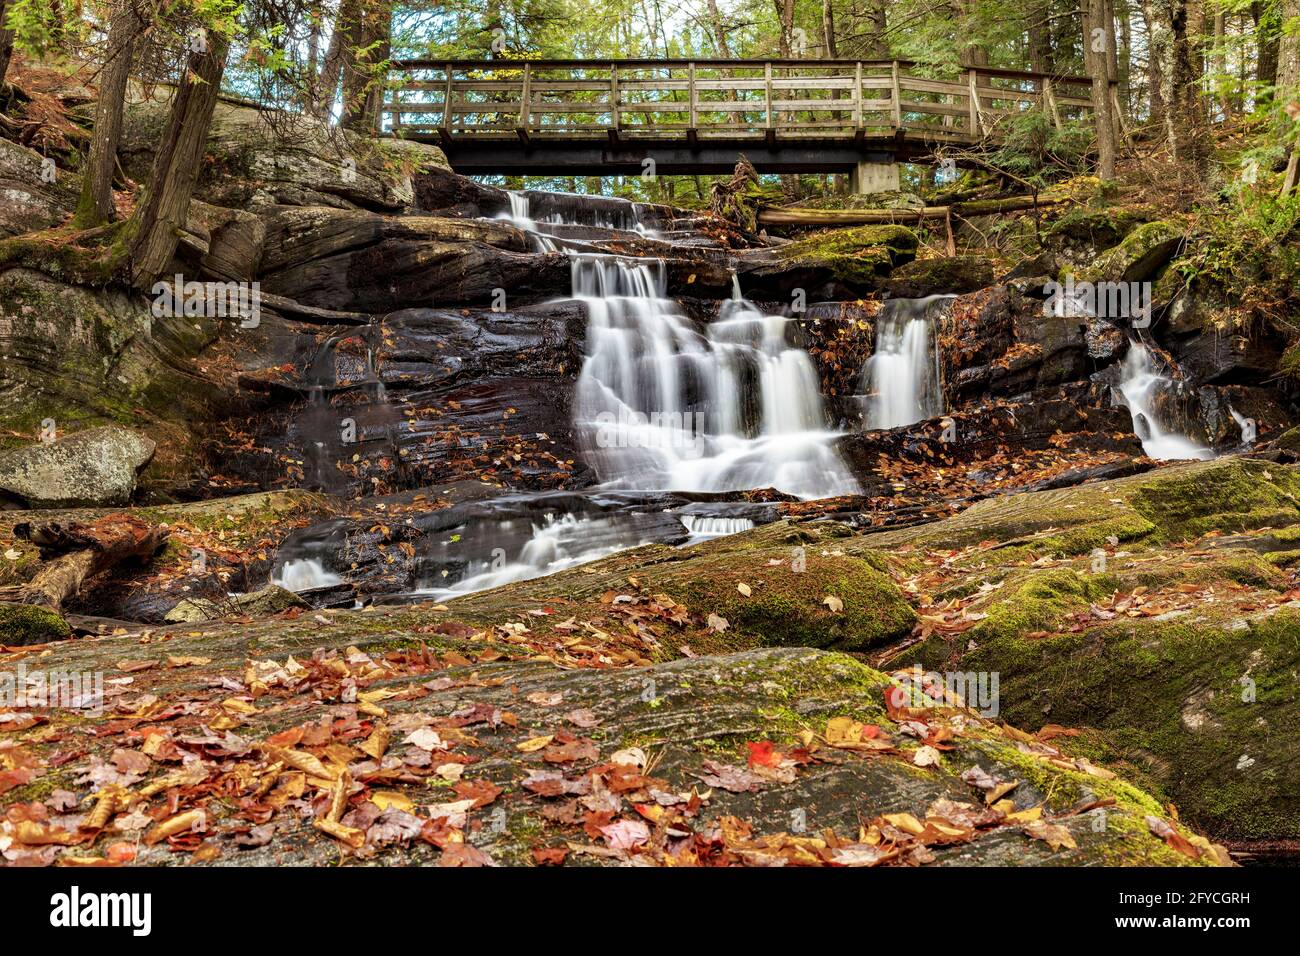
{"x": 29, "y": 624}
{"x": 860, "y": 254}
{"x": 1235, "y": 495}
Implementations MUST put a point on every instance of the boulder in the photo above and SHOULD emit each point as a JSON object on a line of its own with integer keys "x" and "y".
{"x": 1177, "y": 661}
{"x": 93, "y": 467}
{"x": 28, "y": 202}
{"x": 360, "y": 261}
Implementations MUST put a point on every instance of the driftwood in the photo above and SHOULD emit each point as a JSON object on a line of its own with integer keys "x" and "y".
{"x": 799, "y": 216}
{"x": 75, "y": 552}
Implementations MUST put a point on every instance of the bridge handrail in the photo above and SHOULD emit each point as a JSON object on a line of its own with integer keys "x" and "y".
{"x": 678, "y": 62}
{"x": 698, "y": 99}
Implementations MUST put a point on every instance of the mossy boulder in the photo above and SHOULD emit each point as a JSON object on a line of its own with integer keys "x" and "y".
{"x": 856, "y": 255}
{"x": 1289, "y": 440}
{"x": 945, "y": 275}
{"x": 811, "y": 599}
{"x": 1124, "y": 609}
{"x": 1138, "y": 257}
{"x": 1097, "y": 227}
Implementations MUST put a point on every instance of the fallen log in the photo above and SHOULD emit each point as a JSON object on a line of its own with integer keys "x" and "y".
{"x": 30, "y": 613}
{"x": 801, "y": 216}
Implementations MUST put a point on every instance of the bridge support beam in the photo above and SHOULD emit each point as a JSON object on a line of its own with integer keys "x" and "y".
{"x": 868, "y": 177}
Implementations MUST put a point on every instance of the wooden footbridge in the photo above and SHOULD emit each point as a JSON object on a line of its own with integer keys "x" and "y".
{"x": 670, "y": 117}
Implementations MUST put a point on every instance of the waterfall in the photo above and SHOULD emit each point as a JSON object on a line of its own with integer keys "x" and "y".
{"x": 1140, "y": 385}
{"x": 664, "y": 406}
{"x": 902, "y": 380}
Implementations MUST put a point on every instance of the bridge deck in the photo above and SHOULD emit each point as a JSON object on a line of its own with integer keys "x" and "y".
{"x": 579, "y": 117}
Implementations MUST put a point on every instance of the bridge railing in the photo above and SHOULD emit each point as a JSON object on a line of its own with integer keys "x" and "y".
{"x": 720, "y": 99}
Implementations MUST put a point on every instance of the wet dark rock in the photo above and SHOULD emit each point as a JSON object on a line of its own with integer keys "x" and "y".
{"x": 360, "y": 261}
{"x": 1001, "y": 342}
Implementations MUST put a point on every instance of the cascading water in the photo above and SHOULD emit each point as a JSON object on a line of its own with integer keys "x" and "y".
{"x": 1141, "y": 385}
{"x": 902, "y": 380}
{"x": 555, "y": 543}
{"x": 663, "y": 406}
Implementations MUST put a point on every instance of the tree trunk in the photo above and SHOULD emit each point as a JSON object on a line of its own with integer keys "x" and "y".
{"x": 6, "y": 41}
{"x": 828, "y": 30}
{"x": 96, "y": 204}
{"x": 1157, "y": 43}
{"x": 1038, "y": 29}
{"x": 155, "y": 226}
{"x": 1288, "y": 54}
{"x": 719, "y": 32}
{"x": 1267, "y": 39}
{"x": 1099, "y": 30}
{"x": 785, "y": 14}
{"x": 1185, "y": 116}
{"x": 333, "y": 68}
{"x": 798, "y": 216}
{"x": 367, "y": 47}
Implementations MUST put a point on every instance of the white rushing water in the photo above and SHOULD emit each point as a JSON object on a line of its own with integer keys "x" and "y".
{"x": 303, "y": 574}
{"x": 664, "y": 406}
{"x": 901, "y": 379}
{"x": 555, "y": 544}
{"x": 1141, "y": 386}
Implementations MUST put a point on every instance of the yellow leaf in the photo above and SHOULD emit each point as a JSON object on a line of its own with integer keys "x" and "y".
{"x": 535, "y": 743}
{"x": 743, "y": 589}
{"x": 384, "y": 799}
{"x": 1025, "y": 816}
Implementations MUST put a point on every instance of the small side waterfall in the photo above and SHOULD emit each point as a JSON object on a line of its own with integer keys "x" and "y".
{"x": 665, "y": 406}
{"x": 1140, "y": 386}
{"x": 902, "y": 380}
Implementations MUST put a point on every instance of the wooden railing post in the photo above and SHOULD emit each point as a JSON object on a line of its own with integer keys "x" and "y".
{"x": 857, "y": 94}
{"x": 1050, "y": 97}
{"x": 446, "y": 104}
{"x": 896, "y": 95}
{"x": 614, "y": 114}
{"x": 767, "y": 91}
{"x": 690, "y": 84}
{"x": 976, "y": 122}
{"x": 526, "y": 101}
